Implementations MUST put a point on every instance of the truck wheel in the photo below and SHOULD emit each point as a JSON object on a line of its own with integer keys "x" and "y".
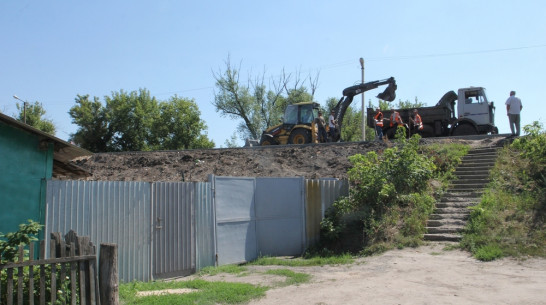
{"x": 464, "y": 130}
{"x": 300, "y": 136}
{"x": 265, "y": 140}
{"x": 495, "y": 131}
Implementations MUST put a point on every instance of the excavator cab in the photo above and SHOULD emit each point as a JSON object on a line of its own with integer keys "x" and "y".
{"x": 297, "y": 126}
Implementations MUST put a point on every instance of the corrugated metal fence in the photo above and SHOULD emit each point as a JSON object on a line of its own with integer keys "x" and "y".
{"x": 168, "y": 229}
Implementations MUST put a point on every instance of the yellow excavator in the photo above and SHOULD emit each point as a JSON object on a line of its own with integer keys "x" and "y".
{"x": 298, "y": 125}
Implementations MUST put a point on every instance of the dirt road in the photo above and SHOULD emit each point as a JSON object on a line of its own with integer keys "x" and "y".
{"x": 424, "y": 275}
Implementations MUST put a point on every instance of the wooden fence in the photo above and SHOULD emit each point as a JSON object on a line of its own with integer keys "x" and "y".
{"x": 69, "y": 276}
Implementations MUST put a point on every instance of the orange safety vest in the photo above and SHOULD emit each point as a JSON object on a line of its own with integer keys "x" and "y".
{"x": 418, "y": 122}
{"x": 395, "y": 117}
{"x": 379, "y": 119}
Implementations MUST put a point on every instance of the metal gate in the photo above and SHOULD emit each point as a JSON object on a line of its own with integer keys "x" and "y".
{"x": 258, "y": 216}
{"x": 235, "y": 219}
{"x": 173, "y": 229}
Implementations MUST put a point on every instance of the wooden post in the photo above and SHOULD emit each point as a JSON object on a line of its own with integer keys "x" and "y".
{"x": 108, "y": 274}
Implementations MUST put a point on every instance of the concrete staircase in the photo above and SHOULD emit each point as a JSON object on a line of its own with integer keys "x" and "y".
{"x": 451, "y": 212}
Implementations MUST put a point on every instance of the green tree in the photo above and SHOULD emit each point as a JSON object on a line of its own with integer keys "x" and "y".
{"x": 409, "y": 105}
{"x": 180, "y": 126}
{"x": 34, "y": 116}
{"x": 253, "y": 103}
{"x": 136, "y": 121}
{"x": 93, "y": 133}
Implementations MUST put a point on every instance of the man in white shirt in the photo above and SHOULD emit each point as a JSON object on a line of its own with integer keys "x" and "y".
{"x": 332, "y": 124}
{"x": 513, "y": 109}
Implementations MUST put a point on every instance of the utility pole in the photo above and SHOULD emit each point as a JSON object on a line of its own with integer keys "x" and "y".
{"x": 24, "y": 108}
{"x": 363, "y": 106}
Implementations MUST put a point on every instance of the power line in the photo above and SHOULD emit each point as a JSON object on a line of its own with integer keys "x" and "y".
{"x": 406, "y": 57}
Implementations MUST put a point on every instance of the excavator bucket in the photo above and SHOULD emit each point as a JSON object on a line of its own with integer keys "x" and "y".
{"x": 389, "y": 94}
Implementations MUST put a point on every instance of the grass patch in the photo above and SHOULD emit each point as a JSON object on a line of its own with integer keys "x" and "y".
{"x": 488, "y": 253}
{"x": 292, "y": 278}
{"x": 208, "y": 293}
{"x": 231, "y": 269}
{"x": 311, "y": 260}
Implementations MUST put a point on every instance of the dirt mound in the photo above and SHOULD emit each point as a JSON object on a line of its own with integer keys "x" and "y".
{"x": 327, "y": 160}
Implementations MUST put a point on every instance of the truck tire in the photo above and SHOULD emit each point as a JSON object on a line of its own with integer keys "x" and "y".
{"x": 300, "y": 136}
{"x": 464, "y": 130}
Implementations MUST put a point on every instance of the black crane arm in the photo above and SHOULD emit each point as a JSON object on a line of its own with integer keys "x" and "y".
{"x": 349, "y": 93}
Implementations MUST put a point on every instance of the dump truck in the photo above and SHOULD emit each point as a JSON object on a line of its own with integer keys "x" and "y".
{"x": 474, "y": 115}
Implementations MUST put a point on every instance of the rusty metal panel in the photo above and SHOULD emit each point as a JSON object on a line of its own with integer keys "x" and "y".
{"x": 107, "y": 212}
{"x": 331, "y": 190}
{"x": 313, "y": 211}
{"x": 173, "y": 229}
{"x": 319, "y": 196}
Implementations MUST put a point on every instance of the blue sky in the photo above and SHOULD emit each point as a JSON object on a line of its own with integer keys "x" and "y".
{"x": 51, "y": 51}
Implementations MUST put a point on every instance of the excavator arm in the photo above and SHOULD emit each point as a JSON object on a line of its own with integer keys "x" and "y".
{"x": 350, "y": 92}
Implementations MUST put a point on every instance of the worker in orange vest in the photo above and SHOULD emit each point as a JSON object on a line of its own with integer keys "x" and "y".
{"x": 417, "y": 122}
{"x": 396, "y": 118}
{"x": 378, "y": 119}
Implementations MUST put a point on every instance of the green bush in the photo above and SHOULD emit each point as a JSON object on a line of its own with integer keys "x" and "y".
{"x": 390, "y": 196}
{"x": 10, "y": 242}
{"x": 9, "y": 245}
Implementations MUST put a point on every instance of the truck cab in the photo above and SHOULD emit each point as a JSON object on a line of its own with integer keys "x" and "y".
{"x": 474, "y": 105}
{"x": 473, "y": 108}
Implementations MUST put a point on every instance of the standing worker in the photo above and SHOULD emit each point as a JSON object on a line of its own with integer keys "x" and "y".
{"x": 332, "y": 124}
{"x": 513, "y": 109}
{"x": 378, "y": 119}
{"x": 416, "y": 122}
{"x": 321, "y": 125}
{"x": 396, "y": 119}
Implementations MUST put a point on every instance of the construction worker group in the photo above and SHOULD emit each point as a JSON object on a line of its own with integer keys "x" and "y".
{"x": 416, "y": 123}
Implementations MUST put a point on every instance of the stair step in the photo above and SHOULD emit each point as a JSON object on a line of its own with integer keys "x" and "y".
{"x": 445, "y": 222}
{"x": 480, "y": 159}
{"x": 481, "y": 165}
{"x": 442, "y": 237}
{"x": 461, "y": 216}
{"x": 475, "y": 175}
{"x": 488, "y": 150}
{"x": 460, "y": 198}
{"x": 445, "y": 229}
{"x": 454, "y": 204}
{"x": 452, "y": 211}
{"x": 468, "y": 186}
{"x": 472, "y": 169}
{"x": 471, "y": 180}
